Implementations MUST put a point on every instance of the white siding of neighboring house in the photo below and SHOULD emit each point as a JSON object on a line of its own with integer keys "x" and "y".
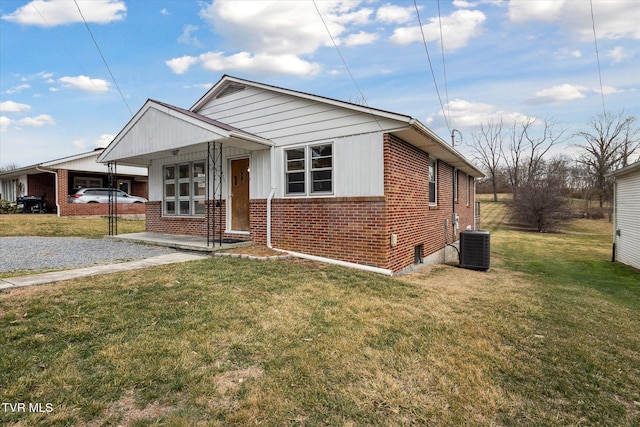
{"x": 286, "y": 119}
{"x": 628, "y": 219}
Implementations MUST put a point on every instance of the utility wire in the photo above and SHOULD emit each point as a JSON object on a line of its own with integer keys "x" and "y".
{"x": 426, "y": 49}
{"x": 595, "y": 41}
{"x": 103, "y": 58}
{"x": 52, "y": 28}
{"x": 364, "y": 101}
{"x": 444, "y": 67}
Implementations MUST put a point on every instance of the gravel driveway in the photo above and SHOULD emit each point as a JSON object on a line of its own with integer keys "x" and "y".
{"x": 61, "y": 253}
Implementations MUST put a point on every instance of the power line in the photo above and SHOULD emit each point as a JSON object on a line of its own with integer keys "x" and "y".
{"x": 52, "y": 28}
{"x": 426, "y": 49}
{"x": 335, "y": 45}
{"x": 444, "y": 67}
{"x": 103, "y": 58}
{"x": 595, "y": 41}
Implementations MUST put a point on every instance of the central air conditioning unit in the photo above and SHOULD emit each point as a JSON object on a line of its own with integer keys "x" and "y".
{"x": 475, "y": 249}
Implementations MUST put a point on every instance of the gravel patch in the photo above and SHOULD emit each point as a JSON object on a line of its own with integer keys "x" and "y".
{"x": 36, "y": 254}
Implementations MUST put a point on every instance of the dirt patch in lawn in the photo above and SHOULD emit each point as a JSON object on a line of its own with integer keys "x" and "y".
{"x": 255, "y": 250}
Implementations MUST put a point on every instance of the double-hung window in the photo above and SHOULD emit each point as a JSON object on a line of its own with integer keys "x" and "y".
{"x": 433, "y": 181}
{"x": 309, "y": 170}
{"x": 185, "y": 189}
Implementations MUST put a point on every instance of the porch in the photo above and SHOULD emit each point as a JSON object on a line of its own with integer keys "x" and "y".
{"x": 181, "y": 241}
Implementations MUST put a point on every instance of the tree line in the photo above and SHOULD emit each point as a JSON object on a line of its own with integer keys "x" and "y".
{"x": 515, "y": 157}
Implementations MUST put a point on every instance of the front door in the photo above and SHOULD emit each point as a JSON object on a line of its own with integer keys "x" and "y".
{"x": 240, "y": 195}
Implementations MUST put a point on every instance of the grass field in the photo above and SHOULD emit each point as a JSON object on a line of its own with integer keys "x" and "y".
{"x": 548, "y": 337}
{"x": 52, "y": 226}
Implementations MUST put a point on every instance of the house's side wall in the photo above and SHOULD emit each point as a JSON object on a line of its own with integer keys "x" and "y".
{"x": 343, "y": 228}
{"x": 465, "y": 202}
{"x": 628, "y": 220}
{"x": 408, "y": 213}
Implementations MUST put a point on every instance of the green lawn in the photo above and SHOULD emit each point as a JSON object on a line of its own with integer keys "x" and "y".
{"x": 548, "y": 337}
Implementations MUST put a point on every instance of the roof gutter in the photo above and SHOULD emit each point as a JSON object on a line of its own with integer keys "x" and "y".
{"x": 416, "y": 124}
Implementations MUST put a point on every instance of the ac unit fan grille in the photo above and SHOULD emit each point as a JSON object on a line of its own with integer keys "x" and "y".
{"x": 475, "y": 250}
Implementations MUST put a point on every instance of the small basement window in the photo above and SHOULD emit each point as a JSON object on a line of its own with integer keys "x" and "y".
{"x": 417, "y": 254}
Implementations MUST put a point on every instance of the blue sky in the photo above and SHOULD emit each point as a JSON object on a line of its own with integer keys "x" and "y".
{"x": 509, "y": 59}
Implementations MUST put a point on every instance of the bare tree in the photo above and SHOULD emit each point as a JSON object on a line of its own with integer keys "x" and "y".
{"x": 542, "y": 202}
{"x": 8, "y": 167}
{"x": 611, "y": 140}
{"x": 488, "y": 152}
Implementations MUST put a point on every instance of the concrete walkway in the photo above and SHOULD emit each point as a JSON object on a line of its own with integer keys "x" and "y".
{"x": 58, "y": 276}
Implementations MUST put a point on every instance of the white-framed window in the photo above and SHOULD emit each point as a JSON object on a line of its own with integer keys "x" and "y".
{"x": 433, "y": 182}
{"x": 87, "y": 182}
{"x": 185, "y": 189}
{"x": 309, "y": 170}
{"x": 469, "y": 183}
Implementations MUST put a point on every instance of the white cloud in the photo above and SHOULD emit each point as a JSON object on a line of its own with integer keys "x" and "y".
{"x": 392, "y": 14}
{"x": 560, "y": 93}
{"x": 182, "y": 64}
{"x": 610, "y": 90}
{"x": 37, "y": 121}
{"x": 51, "y": 13}
{"x": 103, "y": 140}
{"x": 614, "y": 19}
{"x": 17, "y": 89}
{"x": 13, "y": 107}
{"x": 186, "y": 36}
{"x": 576, "y": 53}
{"x": 470, "y": 114}
{"x": 457, "y": 29}
{"x": 618, "y": 54}
{"x": 80, "y": 144}
{"x": 85, "y": 83}
{"x": 261, "y": 62}
{"x": 165, "y": 12}
{"x": 5, "y": 122}
{"x": 360, "y": 38}
{"x": 539, "y": 10}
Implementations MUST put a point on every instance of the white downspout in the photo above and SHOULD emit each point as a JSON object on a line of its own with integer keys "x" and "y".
{"x": 272, "y": 193}
{"x": 56, "y": 187}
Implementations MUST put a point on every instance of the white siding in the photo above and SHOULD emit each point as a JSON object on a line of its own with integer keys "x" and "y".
{"x": 287, "y": 119}
{"x": 358, "y": 166}
{"x": 628, "y": 219}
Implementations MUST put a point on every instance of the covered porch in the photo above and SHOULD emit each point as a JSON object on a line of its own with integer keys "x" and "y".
{"x": 198, "y": 173}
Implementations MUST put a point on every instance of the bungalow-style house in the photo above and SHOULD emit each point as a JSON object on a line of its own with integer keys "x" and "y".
{"x": 626, "y": 208}
{"x": 56, "y": 179}
{"x": 301, "y": 173}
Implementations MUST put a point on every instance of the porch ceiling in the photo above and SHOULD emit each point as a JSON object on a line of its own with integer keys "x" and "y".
{"x": 159, "y": 129}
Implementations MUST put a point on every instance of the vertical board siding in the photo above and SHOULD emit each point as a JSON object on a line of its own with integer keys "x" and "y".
{"x": 628, "y": 219}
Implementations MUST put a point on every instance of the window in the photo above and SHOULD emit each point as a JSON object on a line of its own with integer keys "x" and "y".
{"x": 295, "y": 171}
{"x": 313, "y": 164}
{"x": 185, "y": 189}
{"x": 433, "y": 181}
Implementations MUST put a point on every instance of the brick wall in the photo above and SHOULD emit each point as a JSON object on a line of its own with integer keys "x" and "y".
{"x": 407, "y": 211}
{"x": 194, "y": 226}
{"x": 43, "y": 184}
{"x": 349, "y": 229}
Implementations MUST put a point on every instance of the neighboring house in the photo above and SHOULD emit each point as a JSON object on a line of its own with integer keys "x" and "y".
{"x": 327, "y": 178}
{"x": 626, "y": 213}
{"x": 55, "y": 179}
